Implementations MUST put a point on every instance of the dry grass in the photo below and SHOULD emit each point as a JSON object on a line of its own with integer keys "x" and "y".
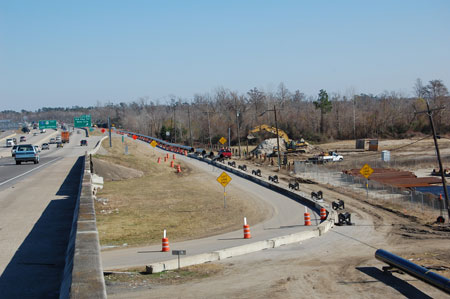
{"x": 188, "y": 205}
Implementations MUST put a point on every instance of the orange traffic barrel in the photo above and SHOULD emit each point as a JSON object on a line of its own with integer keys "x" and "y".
{"x": 178, "y": 168}
{"x": 172, "y": 163}
{"x": 307, "y": 219}
{"x": 159, "y": 160}
{"x": 247, "y": 234}
{"x": 323, "y": 214}
{"x": 165, "y": 244}
{"x": 174, "y": 156}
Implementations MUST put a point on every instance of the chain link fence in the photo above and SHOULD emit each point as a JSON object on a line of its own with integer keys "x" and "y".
{"x": 372, "y": 190}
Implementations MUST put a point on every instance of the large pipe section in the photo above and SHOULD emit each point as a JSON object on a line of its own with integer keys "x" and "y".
{"x": 412, "y": 269}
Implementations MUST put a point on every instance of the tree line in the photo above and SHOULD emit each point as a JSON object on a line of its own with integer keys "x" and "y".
{"x": 210, "y": 116}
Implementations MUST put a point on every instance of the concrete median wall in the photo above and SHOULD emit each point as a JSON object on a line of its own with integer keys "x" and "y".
{"x": 83, "y": 272}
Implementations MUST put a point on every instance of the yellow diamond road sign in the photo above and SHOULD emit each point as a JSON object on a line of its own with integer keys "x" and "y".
{"x": 153, "y": 143}
{"x": 224, "y": 179}
{"x": 366, "y": 171}
{"x": 222, "y": 140}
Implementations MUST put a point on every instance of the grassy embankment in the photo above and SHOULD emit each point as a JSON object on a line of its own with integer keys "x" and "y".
{"x": 188, "y": 204}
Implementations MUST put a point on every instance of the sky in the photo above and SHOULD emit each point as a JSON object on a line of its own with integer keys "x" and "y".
{"x": 85, "y": 53}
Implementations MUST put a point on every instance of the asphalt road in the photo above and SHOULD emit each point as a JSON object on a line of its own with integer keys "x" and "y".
{"x": 36, "y": 211}
{"x": 287, "y": 219}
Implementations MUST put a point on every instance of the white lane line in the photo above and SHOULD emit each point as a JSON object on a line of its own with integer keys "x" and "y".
{"x": 2, "y": 183}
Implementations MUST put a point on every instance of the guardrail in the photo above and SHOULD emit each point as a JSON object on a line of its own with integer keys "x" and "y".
{"x": 83, "y": 272}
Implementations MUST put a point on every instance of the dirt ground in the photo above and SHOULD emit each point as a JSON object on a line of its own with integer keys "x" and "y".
{"x": 339, "y": 264}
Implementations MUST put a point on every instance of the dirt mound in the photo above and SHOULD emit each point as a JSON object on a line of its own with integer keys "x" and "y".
{"x": 113, "y": 172}
{"x": 267, "y": 146}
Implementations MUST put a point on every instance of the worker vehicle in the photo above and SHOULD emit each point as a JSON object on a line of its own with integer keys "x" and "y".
{"x": 331, "y": 157}
{"x": 291, "y": 145}
{"x": 65, "y": 136}
{"x": 26, "y": 153}
{"x": 225, "y": 153}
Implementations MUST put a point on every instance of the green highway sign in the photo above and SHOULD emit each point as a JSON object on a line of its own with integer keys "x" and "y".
{"x": 82, "y": 121}
{"x": 47, "y": 124}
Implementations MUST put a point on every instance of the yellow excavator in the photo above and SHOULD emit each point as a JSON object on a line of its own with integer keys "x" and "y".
{"x": 291, "y": 145}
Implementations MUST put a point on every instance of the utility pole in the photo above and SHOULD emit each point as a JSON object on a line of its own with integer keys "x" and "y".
{"x": 174, "y": 124}
{"x": 190, "y": 131}
{"x": 209, "y": 128}
{"x": 109, "y": 128}
{"x": 429, "y": 112}
{"x": 278, "y": 136}
{"x": 238, "y": 133}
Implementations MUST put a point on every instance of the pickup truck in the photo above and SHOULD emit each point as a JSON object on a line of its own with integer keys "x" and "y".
{"x": 26, "y": 153}
{"x": 331, "y": 157}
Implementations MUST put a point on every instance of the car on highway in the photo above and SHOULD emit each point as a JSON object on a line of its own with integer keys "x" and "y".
{"x": 37, "y": 148}
{"x": 26, "y": 153}
{"x": 13, "y": 150}
{"x": 10, "y": 142}
{"x": 23, "y": 138}
{"x": 35, "y": 134}
{"x": 83, "y": 142}
{"x": 58, "y": 139}
{"x": 43, "y": 131}
{"x": 59, "y": 144}
{"x": 45, "y": 146}
{"x": 52, "y": 141}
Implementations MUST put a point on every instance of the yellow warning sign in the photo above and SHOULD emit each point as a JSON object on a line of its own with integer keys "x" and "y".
{"x": 366, "y": 171}
{"x": 154, "y": 143}
{"x": 224, "y": 179}
{"x": 222, "y": 140}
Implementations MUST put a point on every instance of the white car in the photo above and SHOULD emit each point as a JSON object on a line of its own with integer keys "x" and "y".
{"x": 52, "y": 141}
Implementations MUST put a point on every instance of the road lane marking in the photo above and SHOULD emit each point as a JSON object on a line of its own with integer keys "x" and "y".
{"x": 2, "y": 183}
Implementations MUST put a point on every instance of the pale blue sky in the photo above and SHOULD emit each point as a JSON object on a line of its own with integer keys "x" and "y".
{"x": 61, "y": 53}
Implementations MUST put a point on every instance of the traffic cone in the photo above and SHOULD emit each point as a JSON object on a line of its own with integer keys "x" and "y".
{"x": 247, "y": 234}
{"x": 171, "y": 163}
{"x": 178, "y": 168}
{"x": 167, "y": 155}
{"x": 159, "y": 160}
{"x": 323, "y": 214}
{"x": 165, "y": 243}
{"x": 174, "y": 156}
{"x": 307, "y": 217}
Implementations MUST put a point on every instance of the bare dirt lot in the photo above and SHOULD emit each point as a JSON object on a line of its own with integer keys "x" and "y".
{"x": 338, "y": 264}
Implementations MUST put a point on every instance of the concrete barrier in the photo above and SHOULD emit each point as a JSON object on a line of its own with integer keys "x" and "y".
{"x": 97, "y": 146}
{"x": 83, "y": 272}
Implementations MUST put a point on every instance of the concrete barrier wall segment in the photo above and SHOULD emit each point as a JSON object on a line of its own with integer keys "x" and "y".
{"x": 83, "y": 272}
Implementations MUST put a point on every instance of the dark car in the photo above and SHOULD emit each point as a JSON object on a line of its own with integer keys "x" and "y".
{"x": 13, "y": 150}
{"x": 83, "y": 142}
{"x": 23, "y": 138}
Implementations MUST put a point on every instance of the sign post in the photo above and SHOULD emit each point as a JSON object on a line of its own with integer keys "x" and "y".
{"x": 178, "y": 252}
{"x": 366, "y": 171}
{"x": 224, "y": 179}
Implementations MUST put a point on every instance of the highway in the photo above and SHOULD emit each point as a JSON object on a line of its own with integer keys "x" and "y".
{"x": 36, "y": 211}
{"x": 287, "y": 218}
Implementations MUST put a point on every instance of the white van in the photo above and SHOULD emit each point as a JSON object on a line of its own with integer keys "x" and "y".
{"x": 10, "y": 142}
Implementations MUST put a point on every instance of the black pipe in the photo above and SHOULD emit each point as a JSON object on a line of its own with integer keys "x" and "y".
{"x": 412, "y": 269}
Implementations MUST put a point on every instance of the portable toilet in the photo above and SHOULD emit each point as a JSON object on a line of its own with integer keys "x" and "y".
{"x": 385, "y": 156}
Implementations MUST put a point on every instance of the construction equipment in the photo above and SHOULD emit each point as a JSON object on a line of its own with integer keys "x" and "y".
{"x": 291, "y": 145}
